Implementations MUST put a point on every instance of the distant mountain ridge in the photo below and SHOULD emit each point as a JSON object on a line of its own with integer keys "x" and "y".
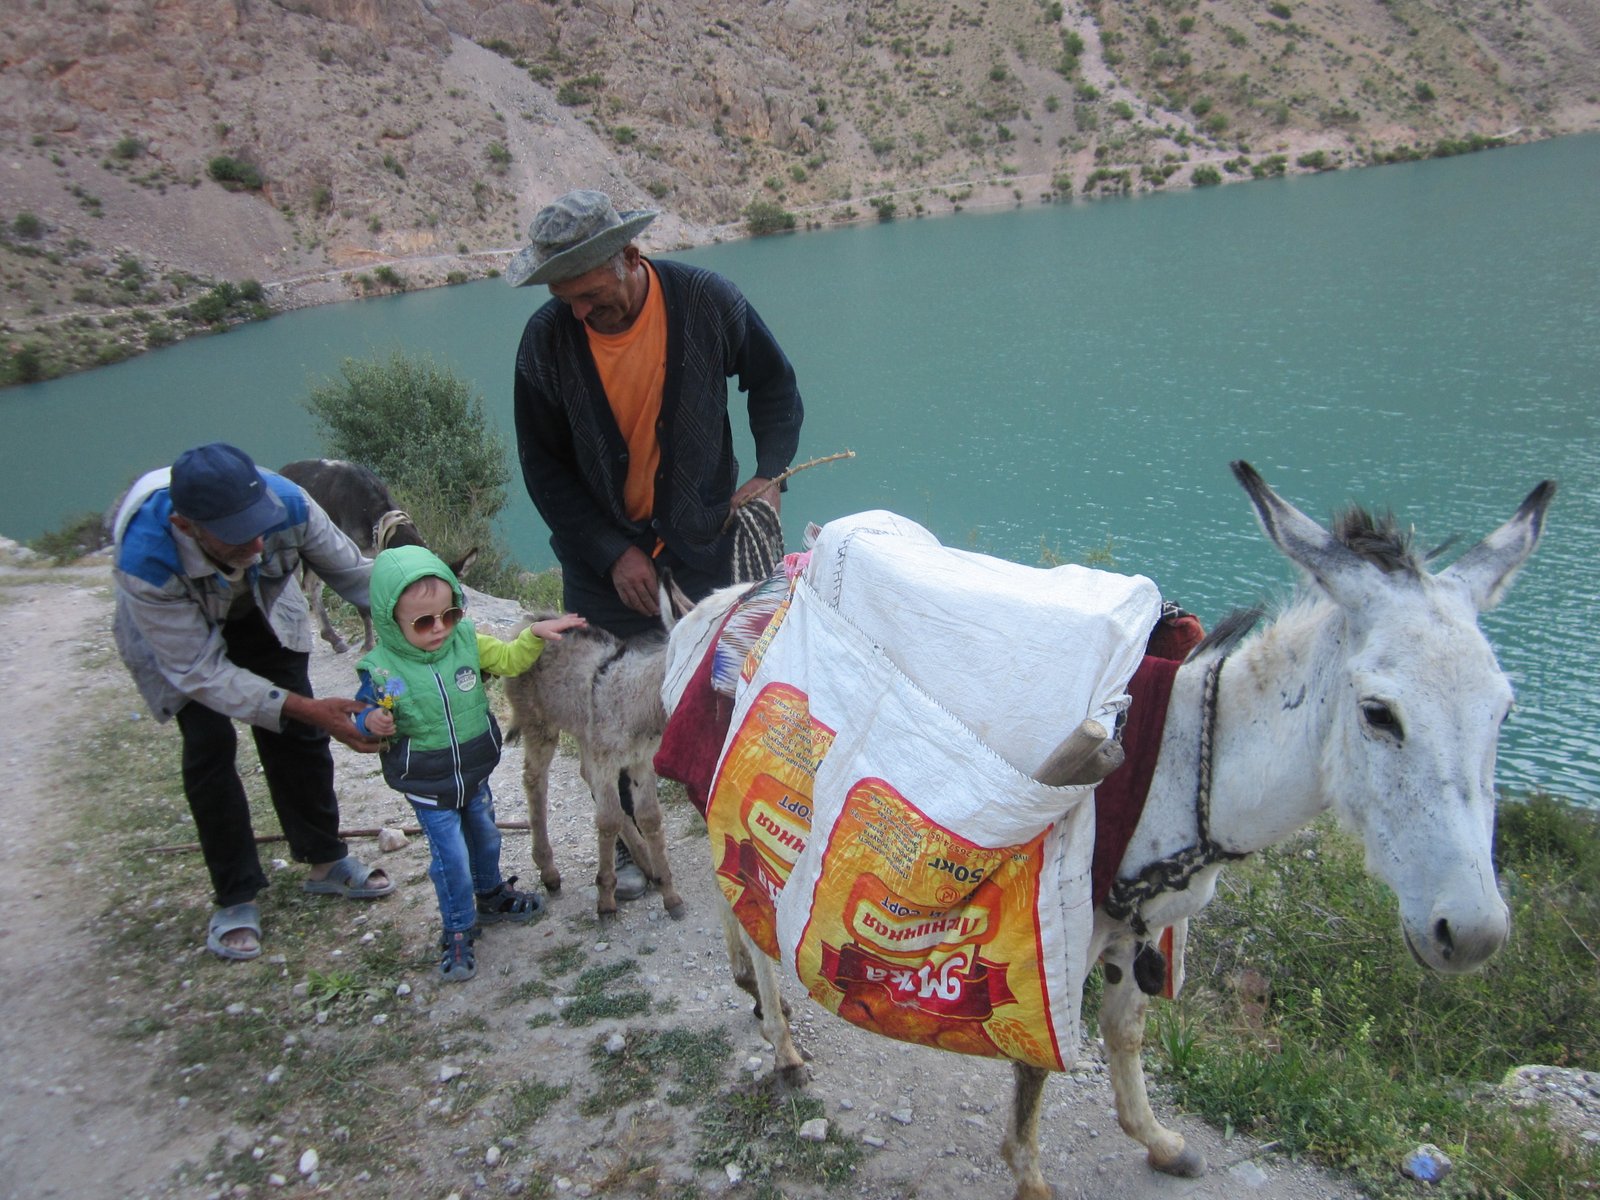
{"x": 330, "y": 148}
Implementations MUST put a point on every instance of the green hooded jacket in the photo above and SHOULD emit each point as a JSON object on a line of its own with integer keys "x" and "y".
{"x": 446, "y": 741}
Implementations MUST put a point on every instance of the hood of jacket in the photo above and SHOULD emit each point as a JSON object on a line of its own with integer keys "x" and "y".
{"x": 393, "y": 571}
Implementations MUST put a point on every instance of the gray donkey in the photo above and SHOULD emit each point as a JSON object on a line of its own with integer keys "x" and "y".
{"x": 605, "y": 692}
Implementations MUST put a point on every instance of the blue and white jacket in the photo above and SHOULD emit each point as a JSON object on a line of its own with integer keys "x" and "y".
{"x": 172, "y": 599}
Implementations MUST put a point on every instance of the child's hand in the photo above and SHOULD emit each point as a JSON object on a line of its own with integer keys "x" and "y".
{"x": 380, "y": 723}
{"x": 552, "y": 629}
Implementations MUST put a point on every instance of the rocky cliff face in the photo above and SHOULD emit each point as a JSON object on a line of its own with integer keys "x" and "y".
{"x": 357, "y": 145}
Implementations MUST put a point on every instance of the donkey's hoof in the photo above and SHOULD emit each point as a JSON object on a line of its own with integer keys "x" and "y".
{"x": 1188, "y": 1163}
{"x": 794, "y": 1078}
{"x": 552, "y": 882}
{"x": 677, "y": 910}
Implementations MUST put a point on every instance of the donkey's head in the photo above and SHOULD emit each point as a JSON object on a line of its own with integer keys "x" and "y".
{"x": 1416, "y": 701}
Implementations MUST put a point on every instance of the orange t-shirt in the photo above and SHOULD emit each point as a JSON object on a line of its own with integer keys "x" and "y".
{"x": 633, "y": 370}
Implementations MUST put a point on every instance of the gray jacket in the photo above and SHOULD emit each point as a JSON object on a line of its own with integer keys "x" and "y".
{"x": 172, "y": 600}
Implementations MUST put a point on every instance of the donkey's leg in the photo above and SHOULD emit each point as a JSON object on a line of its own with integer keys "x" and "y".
{"x": 647, "y": 816}
{"x": 313, "y": 590}
{"x": 368, "y": 638}
{"x": 1122, "y": 1014}
{"x": 601, "y": 776}
{"x": 537, "y": 752}
{"x": 753, "y": 971}
{"x": 1021, "y": 1146}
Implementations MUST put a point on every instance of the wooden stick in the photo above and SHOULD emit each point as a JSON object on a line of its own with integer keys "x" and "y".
{"x": 263, "y": 838}
{"x": 778, "y": 479}
{"x": 1087, "y": 755}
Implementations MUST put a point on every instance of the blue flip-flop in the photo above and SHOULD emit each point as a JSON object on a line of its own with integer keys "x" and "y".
{"x": 228, "y": 920}
{"x": 348, "y": 878}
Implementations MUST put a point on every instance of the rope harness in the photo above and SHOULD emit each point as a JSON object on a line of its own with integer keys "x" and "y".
{"x": 1172, "y": 874}
{"x": 757, "y": 543}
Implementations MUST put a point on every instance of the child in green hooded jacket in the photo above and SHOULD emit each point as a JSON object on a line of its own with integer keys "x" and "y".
{"x": 424, "y": 683}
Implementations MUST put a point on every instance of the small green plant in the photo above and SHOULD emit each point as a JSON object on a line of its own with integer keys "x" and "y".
{"x": 1122, "y": 109}
{"x": 759, "y": 1130}
{"x": 1424, "y": 93}
{"x": 389, "y": 277}
{"x": 498, "y": 155}
{"x": 1315, "y": 160}
{"x": 27, "y": 225}
{"x": 884, "y": 207}
{"x": 1205, "y": 175}
{"x": 767, "y": 216}
{"x": 127, "y": 148}
{"x": 394, "y": 166}
{"x": 1282, "y": 11}
{"x": 234, "y": 173}
{"x": 72, "y": 539}
{"x": 530, "y": 1101}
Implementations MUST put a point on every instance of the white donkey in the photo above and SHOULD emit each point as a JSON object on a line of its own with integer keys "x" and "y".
{"x": 1375, "y": 694}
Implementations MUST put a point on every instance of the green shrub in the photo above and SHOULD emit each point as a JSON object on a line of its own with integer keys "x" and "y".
{"x": 394, "y": 165}
{"x": 418, "y": 426}
{"x": 1123, "y": 109}
{"x": 76, "y": 536}
{"x": 498, "y": 155}
{"x": 389, "y": 277}
{"x": 1315, "y": 160}
{"x": 26, "y": 365}
{"x": 27, "y": 225}
{"x": 766, "y": 216}
{"x": 1282, "y": 11}
{"x": 1424, "y": 93}
{"x": 1205, "y": 175}
{"x": 884, "y": 207}
{"x": 127, "y": 148}
{"x": 234, "y": 174}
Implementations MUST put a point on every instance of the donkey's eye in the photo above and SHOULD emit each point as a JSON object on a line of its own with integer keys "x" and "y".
{"x": 1380, "y": 717}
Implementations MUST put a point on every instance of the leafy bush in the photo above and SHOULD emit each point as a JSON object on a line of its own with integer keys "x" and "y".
{"x": 1282, "y": 11}
{"x": 127, "y": 148}
{"x": 766, "y": 216}
{"x": 424, "y": 432}
{"x": 1205, "y": 175}
{"x": 418, "y": 426}
{"x": 76, "y": 536}
{"x": 27, "y": 225}
{"x": 498, "y": 155}
{"x": 1315, "y": 160}
{"x": 234, "y": 173}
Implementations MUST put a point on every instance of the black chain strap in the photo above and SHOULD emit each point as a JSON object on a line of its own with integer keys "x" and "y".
{"x": 1172, "y": 874}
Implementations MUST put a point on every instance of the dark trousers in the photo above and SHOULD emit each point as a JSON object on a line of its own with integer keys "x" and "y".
{"x": 297, "y": 763}
{"x": 594, "y": 597}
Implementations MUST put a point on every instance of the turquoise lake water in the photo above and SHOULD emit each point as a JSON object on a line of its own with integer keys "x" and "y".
{"x": 1423, "y": 338}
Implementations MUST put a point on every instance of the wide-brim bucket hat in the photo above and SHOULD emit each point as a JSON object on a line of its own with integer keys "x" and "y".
{"x": 574, "y": 235}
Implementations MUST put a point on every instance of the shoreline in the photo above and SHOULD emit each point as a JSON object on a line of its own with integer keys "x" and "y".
{"x": 1296, "y": 153}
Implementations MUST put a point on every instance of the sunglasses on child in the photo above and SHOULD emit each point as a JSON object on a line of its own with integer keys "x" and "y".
{"x": 447, "y": 619}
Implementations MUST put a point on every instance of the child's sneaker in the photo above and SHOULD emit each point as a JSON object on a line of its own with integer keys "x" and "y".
{"x": 459, "y": 962}
{"x": 505, "y": 903}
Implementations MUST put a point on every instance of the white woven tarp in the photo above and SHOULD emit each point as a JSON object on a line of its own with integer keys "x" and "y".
{"x": 876, "y": 784}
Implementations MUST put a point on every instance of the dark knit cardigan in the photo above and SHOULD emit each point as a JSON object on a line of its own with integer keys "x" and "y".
{"x": 574, "y": 459}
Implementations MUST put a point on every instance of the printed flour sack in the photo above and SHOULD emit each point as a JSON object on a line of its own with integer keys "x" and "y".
{"x": 873, "y": 818}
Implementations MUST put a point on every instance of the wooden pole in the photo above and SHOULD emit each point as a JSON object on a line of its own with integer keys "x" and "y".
{"x": 263, "y": 838}
{"x": 777, "y": 481}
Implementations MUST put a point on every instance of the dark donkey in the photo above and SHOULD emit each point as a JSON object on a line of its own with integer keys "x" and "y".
{"x": 359, "y": 503}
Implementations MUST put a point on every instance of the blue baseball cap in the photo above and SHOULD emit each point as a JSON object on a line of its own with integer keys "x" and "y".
{"x": 220, "y": 489}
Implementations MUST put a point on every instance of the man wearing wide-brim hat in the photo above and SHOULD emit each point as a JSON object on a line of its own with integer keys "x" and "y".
{"x": 621, "y": 401}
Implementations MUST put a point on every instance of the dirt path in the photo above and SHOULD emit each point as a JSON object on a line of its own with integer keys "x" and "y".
{"x": 79, "y": 1118}
{"x": 72, "y": 1118}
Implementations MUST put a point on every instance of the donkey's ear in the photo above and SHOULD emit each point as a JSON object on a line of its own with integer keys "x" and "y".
{"x": 1339, "y": 570}
{"x": 1490, "y": 566}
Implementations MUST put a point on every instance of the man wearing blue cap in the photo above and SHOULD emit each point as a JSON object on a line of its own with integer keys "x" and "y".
{"x": 213, "y": 626}
{"x": 621, "y": 405}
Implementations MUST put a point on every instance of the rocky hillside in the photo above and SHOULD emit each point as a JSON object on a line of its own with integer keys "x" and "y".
{"x": 175, "y": 164}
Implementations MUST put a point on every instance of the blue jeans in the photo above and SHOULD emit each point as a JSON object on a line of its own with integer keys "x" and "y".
{"x": 465, "y": 844}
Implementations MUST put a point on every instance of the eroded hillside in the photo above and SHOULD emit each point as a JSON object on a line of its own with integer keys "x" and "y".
{"x": 173, "y": 164}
